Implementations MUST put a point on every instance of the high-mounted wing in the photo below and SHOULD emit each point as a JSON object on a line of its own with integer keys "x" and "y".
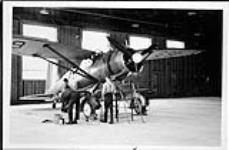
{"x": 34, "y": 46}
{"x": 45, "y": 49}
{"x": 162, "y": 54}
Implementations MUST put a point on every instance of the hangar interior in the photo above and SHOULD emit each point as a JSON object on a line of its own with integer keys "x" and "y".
{"x": 185, "y": 106}
{"x": 199, "y": 75}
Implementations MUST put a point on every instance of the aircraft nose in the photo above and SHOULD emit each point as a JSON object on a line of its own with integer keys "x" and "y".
{"x": 137, "y": 58}
{"x": 131, "y": 54}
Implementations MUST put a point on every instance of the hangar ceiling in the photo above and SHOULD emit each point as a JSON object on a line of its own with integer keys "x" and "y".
{"x": 178, "y": 24}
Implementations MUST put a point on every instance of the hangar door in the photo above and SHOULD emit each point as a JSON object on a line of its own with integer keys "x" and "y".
{"x": 38, "y": 74}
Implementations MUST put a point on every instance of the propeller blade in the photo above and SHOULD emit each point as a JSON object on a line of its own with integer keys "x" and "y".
{"x": 150, "y": 49}
{"x": 124, "y": 50}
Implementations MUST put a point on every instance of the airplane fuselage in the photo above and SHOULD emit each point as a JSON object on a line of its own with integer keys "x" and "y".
{"x": 112, "y": 63}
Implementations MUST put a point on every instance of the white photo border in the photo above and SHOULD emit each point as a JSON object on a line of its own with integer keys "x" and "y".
{"x": 7, "y": 40}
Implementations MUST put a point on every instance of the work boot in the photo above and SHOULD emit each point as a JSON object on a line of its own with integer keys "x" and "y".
{"x": 75, "y": 122}
{"x": 103, "y": 121}
{"x": 111, "y": 122}
{"x": 144, "y": 111}
{"x": 69, "y": 122}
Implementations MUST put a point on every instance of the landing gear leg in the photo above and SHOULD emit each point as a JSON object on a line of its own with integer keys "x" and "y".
{"x": 138, "y": 106}
{"x": 54, "y": 105}
{"x": 116, "y": 110}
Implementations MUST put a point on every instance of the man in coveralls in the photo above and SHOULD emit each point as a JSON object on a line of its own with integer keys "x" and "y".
{"x": 69, "y": 98}
{"x": 107, "y": 95}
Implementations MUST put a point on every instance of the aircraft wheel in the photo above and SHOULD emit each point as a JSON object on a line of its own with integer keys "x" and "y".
{"x": 137, "y": 106}
{"x": 87, "y": 110}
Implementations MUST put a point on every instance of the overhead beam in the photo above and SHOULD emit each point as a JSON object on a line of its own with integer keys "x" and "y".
{"x": 102, "y": 23}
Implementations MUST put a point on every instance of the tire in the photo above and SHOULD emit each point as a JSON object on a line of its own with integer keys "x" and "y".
{"x": 87, "y": 110}
{"x": 137, "y": 106}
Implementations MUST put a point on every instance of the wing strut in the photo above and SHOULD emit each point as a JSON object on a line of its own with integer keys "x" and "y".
{"x": 59, "y": 65}
{"x": 72, "y": 63}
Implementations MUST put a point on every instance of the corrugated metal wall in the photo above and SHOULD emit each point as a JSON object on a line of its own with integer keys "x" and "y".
{"x": 175, "y": 77}
{"x": 33, "y": 87}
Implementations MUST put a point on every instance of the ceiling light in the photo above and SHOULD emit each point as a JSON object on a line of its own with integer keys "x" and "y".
{"x": 192, "y": 13}
{"x": 135, "y": 25}
{"x": 77, "y": 36}
{"x": 44, "y": 11}
{"x": 197, "y": 34}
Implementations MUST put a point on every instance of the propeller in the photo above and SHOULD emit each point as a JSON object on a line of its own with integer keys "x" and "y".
{"x": 126, "y": 51}
{"x": 133, "y": 55}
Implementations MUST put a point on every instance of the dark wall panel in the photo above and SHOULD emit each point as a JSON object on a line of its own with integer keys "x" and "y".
{"x": 142, "y": 80}
{"x": 16, "y": 69}
{"x": 177, "y": 77}
{"x": 33, "y": 87}
{"x": 120, "y": 37}
{"x": 68, "y": 36}
{"x": 16, "y": 79}
{"x": 160, "y": 41}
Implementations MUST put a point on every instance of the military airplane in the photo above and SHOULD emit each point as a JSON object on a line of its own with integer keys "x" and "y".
{"x": 118, "y": 63}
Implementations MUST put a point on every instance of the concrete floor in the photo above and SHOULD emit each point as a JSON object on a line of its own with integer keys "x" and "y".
{"x": 171, "y": 122}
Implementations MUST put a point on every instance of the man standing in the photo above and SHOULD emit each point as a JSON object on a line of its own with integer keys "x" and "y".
{"x": 107, "y": 95}
{"x": 69, "y": 98}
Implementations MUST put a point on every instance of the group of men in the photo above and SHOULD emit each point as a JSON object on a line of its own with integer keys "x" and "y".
{"x": 70, "y": 97}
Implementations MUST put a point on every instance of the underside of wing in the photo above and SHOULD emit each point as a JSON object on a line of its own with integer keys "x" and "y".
{"x": 162, "y": 54}
{"x": 34, "y": 46}
{"x": 44, "y": 97}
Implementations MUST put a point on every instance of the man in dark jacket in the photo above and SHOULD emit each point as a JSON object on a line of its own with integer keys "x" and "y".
{"x": 69, "y": 98}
